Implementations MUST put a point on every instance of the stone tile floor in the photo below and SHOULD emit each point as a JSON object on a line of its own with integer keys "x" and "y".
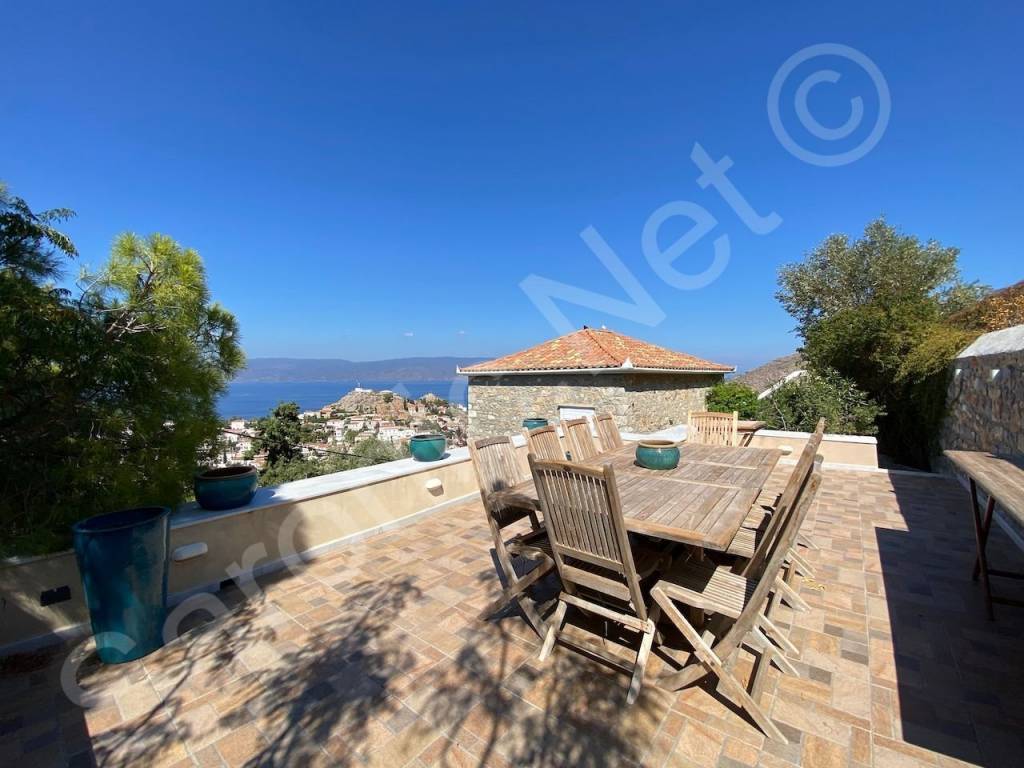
{"x": 373, "y": 656}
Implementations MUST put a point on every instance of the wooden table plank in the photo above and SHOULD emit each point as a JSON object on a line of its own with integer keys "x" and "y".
{"x": 702, "y": 502}
{"x": 999, "y": 476}
{"x": 720, "y": 465}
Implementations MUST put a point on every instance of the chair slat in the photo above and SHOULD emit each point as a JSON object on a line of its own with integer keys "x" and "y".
{"x": 544, "y": 443}
{"x": 711, "y": 428}
{"x": 581, "y": 441}
{"x": 608, "y": 431}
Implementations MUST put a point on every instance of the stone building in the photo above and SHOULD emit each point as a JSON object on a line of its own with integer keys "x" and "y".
{"x": 644, "y": 386}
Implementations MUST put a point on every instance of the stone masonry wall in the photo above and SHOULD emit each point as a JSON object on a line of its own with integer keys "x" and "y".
{"x": 640, "y": 402}
{"x": 986, "y": 410}
{"x": 985, "y": 401}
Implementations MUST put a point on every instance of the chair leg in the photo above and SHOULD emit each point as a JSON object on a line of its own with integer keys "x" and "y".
{"x": 796, "y": 559}
{"x": 516, "y": 591}
{"x": 767, "y": 649}
{"x": 553, "y": 629}
{"x": 805, "y": 541}
{"x": 710, "y": 661}
{"x": 641, "y": 663}
{"x": 790, "y": 595}
{"x": 777, "y": 636}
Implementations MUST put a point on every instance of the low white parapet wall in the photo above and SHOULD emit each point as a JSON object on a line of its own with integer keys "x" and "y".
{"x": 839, "y": 451}
{"x": 296, "y": 522}
{"x": 283, "y": 525}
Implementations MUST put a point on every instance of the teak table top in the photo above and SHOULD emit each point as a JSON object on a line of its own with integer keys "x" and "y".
{"x": 702, "y": 502}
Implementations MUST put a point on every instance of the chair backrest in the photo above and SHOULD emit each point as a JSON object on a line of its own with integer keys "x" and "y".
{"x": 608, "y": 431}
{"x": 710, "y": 428}
{"x": 803, "y": 465}
{"x": 544, "y": 443}
{"x": 797, "y": 480}
{"x": 761, "y": 584}
{"x": 581, "y": 441}
{"x": 785, "y": 509}
{"x": 497, "y": 469}
{"x": 583, "y": 515}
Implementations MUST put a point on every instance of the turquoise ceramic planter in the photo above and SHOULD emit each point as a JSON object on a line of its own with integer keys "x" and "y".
{"x": 123, "y": 559}
{"x": 534, "y": 423}
{"x": 226, "y": 487}
{"x": 657, "y": 454}
{"x": 427, "y": 447}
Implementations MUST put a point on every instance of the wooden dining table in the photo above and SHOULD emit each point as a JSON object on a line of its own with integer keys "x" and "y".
{"x": 702, "y": 502}
{"x": 1001, "y": 478}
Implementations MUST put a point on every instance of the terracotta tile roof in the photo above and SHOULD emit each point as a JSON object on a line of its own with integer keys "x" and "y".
{"x": 596, "y": 349}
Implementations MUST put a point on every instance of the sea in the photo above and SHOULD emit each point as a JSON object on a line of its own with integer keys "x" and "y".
{"x": 253, "y": 399}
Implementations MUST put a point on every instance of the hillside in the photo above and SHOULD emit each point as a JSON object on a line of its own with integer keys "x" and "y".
{"x": 399, "y": 369}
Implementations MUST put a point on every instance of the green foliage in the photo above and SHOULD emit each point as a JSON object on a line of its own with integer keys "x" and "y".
{"x": 280, "y": 435}
{"x": 430, "y": 426}
{"x": 882, "y": 268}
{"x": 108, "y": 395}
{"x": 877, "y": 310}
{"x": 799, "y": 403}
{"x": 729, "y": 396}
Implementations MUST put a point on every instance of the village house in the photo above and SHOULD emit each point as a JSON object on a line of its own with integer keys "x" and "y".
{"x": 644, "y": 386}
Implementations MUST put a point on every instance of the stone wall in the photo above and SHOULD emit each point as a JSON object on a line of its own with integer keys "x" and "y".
{"x": 640, "y": 402}
{"x": 985, "y": 399}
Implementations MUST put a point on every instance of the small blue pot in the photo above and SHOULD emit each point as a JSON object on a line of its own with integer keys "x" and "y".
{"x": 226, "y": 487}
{"x": 427, "y": 447}
{"x": 657, "y": 454}
{"x": 534, "y": 423}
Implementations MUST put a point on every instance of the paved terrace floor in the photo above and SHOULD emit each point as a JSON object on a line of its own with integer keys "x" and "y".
{"x": 373, "y": 656}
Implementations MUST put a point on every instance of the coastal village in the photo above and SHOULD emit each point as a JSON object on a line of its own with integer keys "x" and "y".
{"x": 360, "y": 415}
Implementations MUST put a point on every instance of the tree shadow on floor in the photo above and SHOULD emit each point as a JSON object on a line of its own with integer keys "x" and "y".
{"x": 958, "y": 675}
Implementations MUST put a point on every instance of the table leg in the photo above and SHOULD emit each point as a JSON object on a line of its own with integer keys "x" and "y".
{"x": 981, "y": 535}
{"x": 986, "y": 526}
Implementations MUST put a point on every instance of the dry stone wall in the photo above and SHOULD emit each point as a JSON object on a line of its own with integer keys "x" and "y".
{"x": 640, "y": 402}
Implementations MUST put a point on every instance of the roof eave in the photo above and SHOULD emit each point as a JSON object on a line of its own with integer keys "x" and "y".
{"x": 617, "y": 369}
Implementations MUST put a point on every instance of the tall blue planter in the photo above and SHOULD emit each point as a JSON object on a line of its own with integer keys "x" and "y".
{"x": 123, "y": 559}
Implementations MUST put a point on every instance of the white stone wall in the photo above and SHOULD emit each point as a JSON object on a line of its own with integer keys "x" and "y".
{"x": 640, "y": 402}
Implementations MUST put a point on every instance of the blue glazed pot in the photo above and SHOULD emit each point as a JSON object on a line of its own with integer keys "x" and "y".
{"x": 534, "y": 423}
{"x": 657, "y": 454}
{"x": 226, "y": 487}
{"x": 427, "y": 447}
{"x": 123, "y": 559}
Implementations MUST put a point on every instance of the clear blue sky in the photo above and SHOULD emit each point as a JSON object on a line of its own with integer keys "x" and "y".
{"x": 355, "y": 173}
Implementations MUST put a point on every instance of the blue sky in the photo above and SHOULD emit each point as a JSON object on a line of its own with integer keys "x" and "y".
{"x": 356, "y": 173}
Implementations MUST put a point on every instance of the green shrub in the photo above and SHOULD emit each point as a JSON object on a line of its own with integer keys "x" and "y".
{"x": 889, "y": 312}
{"x": 798, "y": 404}
{"x": 729, "y": 396}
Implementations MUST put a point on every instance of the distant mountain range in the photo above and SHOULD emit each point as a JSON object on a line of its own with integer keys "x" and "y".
{"x": 399, "y": 369}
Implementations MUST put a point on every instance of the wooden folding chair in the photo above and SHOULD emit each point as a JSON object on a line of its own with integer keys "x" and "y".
{"x": 761, "y": 524}
{"x": 544, "y": 443}
{"x": 758, "y": 516}
{"x": 737, "y": 602}
{"x": 608, "y": 431}
{"x": 710, "y": 428}
{"x": 594, "y": 558}
{"x": 497, "y": 469}
{"x": 581, "y": 440}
